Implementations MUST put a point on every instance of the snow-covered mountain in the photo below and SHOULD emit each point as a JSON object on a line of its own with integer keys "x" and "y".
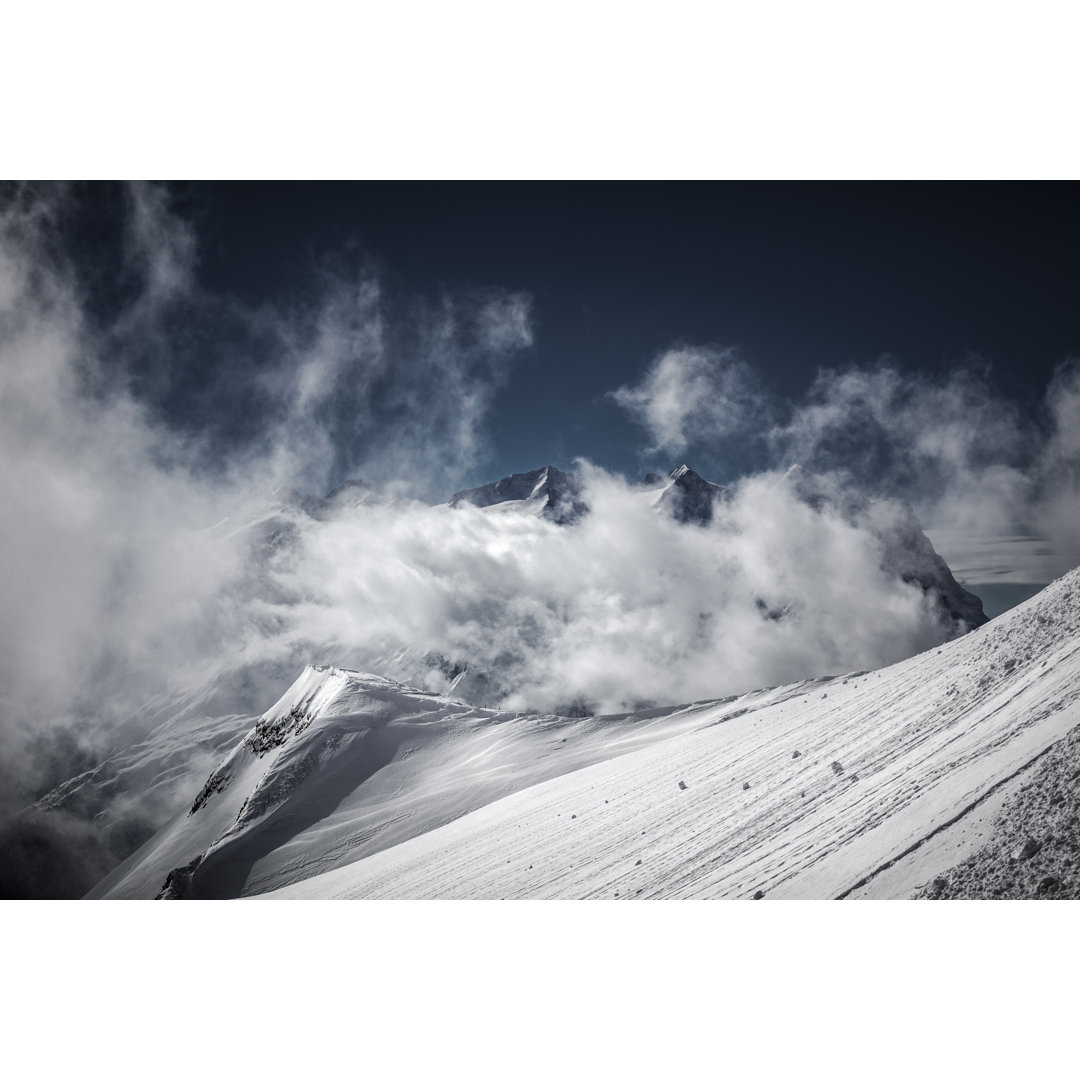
{"x": 547, "y": 492}
{"x": 559, "y": 496}
{"x": 364, "y": 763}
{"x": 875, "y": 784}
{"x": 161, "y": 763}
{"x": 690, "y": 499}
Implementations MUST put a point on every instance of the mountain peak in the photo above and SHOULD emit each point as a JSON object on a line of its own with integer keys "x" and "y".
{"x": 554, "y": 492}
{"x": 689, "y": 498}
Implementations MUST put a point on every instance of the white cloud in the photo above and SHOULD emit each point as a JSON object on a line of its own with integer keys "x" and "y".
{"x": 985, "y": 476}
{"x": 625, "y": 606}
{"x": 976, "y": 468}
{"x": 690, "y": 395}
{"x": 119, "y": 577}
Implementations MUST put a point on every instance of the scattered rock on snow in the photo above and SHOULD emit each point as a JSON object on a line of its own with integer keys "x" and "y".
{"x": 796, "y": 754}
{"x": 746, "y": 787}
{"x": 837, "y": 768}
{"x": 1031, "y": 847}
{"x": 759, "y": 895}
{"x": 682, "y": 785}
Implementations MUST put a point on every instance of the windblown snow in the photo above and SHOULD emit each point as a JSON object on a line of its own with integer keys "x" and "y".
{"x": 872, "y": 784}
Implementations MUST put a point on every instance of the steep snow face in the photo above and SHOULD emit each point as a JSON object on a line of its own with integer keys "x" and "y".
{"x": 869, "y": 786}
{"x": 548, "y": 492}
{"x": 1033, "y": 847}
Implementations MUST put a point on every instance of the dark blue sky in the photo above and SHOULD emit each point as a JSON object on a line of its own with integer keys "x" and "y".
{"x": 798, "y": 276}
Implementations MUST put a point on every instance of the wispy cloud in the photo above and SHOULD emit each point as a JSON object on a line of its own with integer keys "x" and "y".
{"x": 693, "y": 395}
{"x": 975, "y": 465}
{"x": 137, "y": 433}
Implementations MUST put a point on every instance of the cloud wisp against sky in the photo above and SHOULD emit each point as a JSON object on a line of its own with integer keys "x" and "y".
{"x": 136, "y": 417}
{"x": 691, "y": 395}
{"x": 975, "y": 465}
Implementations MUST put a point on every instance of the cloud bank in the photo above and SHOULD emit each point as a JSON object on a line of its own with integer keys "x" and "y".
{"x": 623, "y": 608}
{"x": 972, "y": 462}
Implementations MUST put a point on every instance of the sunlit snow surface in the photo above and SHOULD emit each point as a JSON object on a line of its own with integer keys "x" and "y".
{"x": 864, "y": 785}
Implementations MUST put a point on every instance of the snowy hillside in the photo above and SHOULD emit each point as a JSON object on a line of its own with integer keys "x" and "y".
{"x": 346, "y": 764}
{"x": 874, "y": 784}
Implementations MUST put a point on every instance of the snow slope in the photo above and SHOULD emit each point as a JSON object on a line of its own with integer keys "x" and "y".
{"x": 347, "y": 764}
{"x": 867, "y": 785}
